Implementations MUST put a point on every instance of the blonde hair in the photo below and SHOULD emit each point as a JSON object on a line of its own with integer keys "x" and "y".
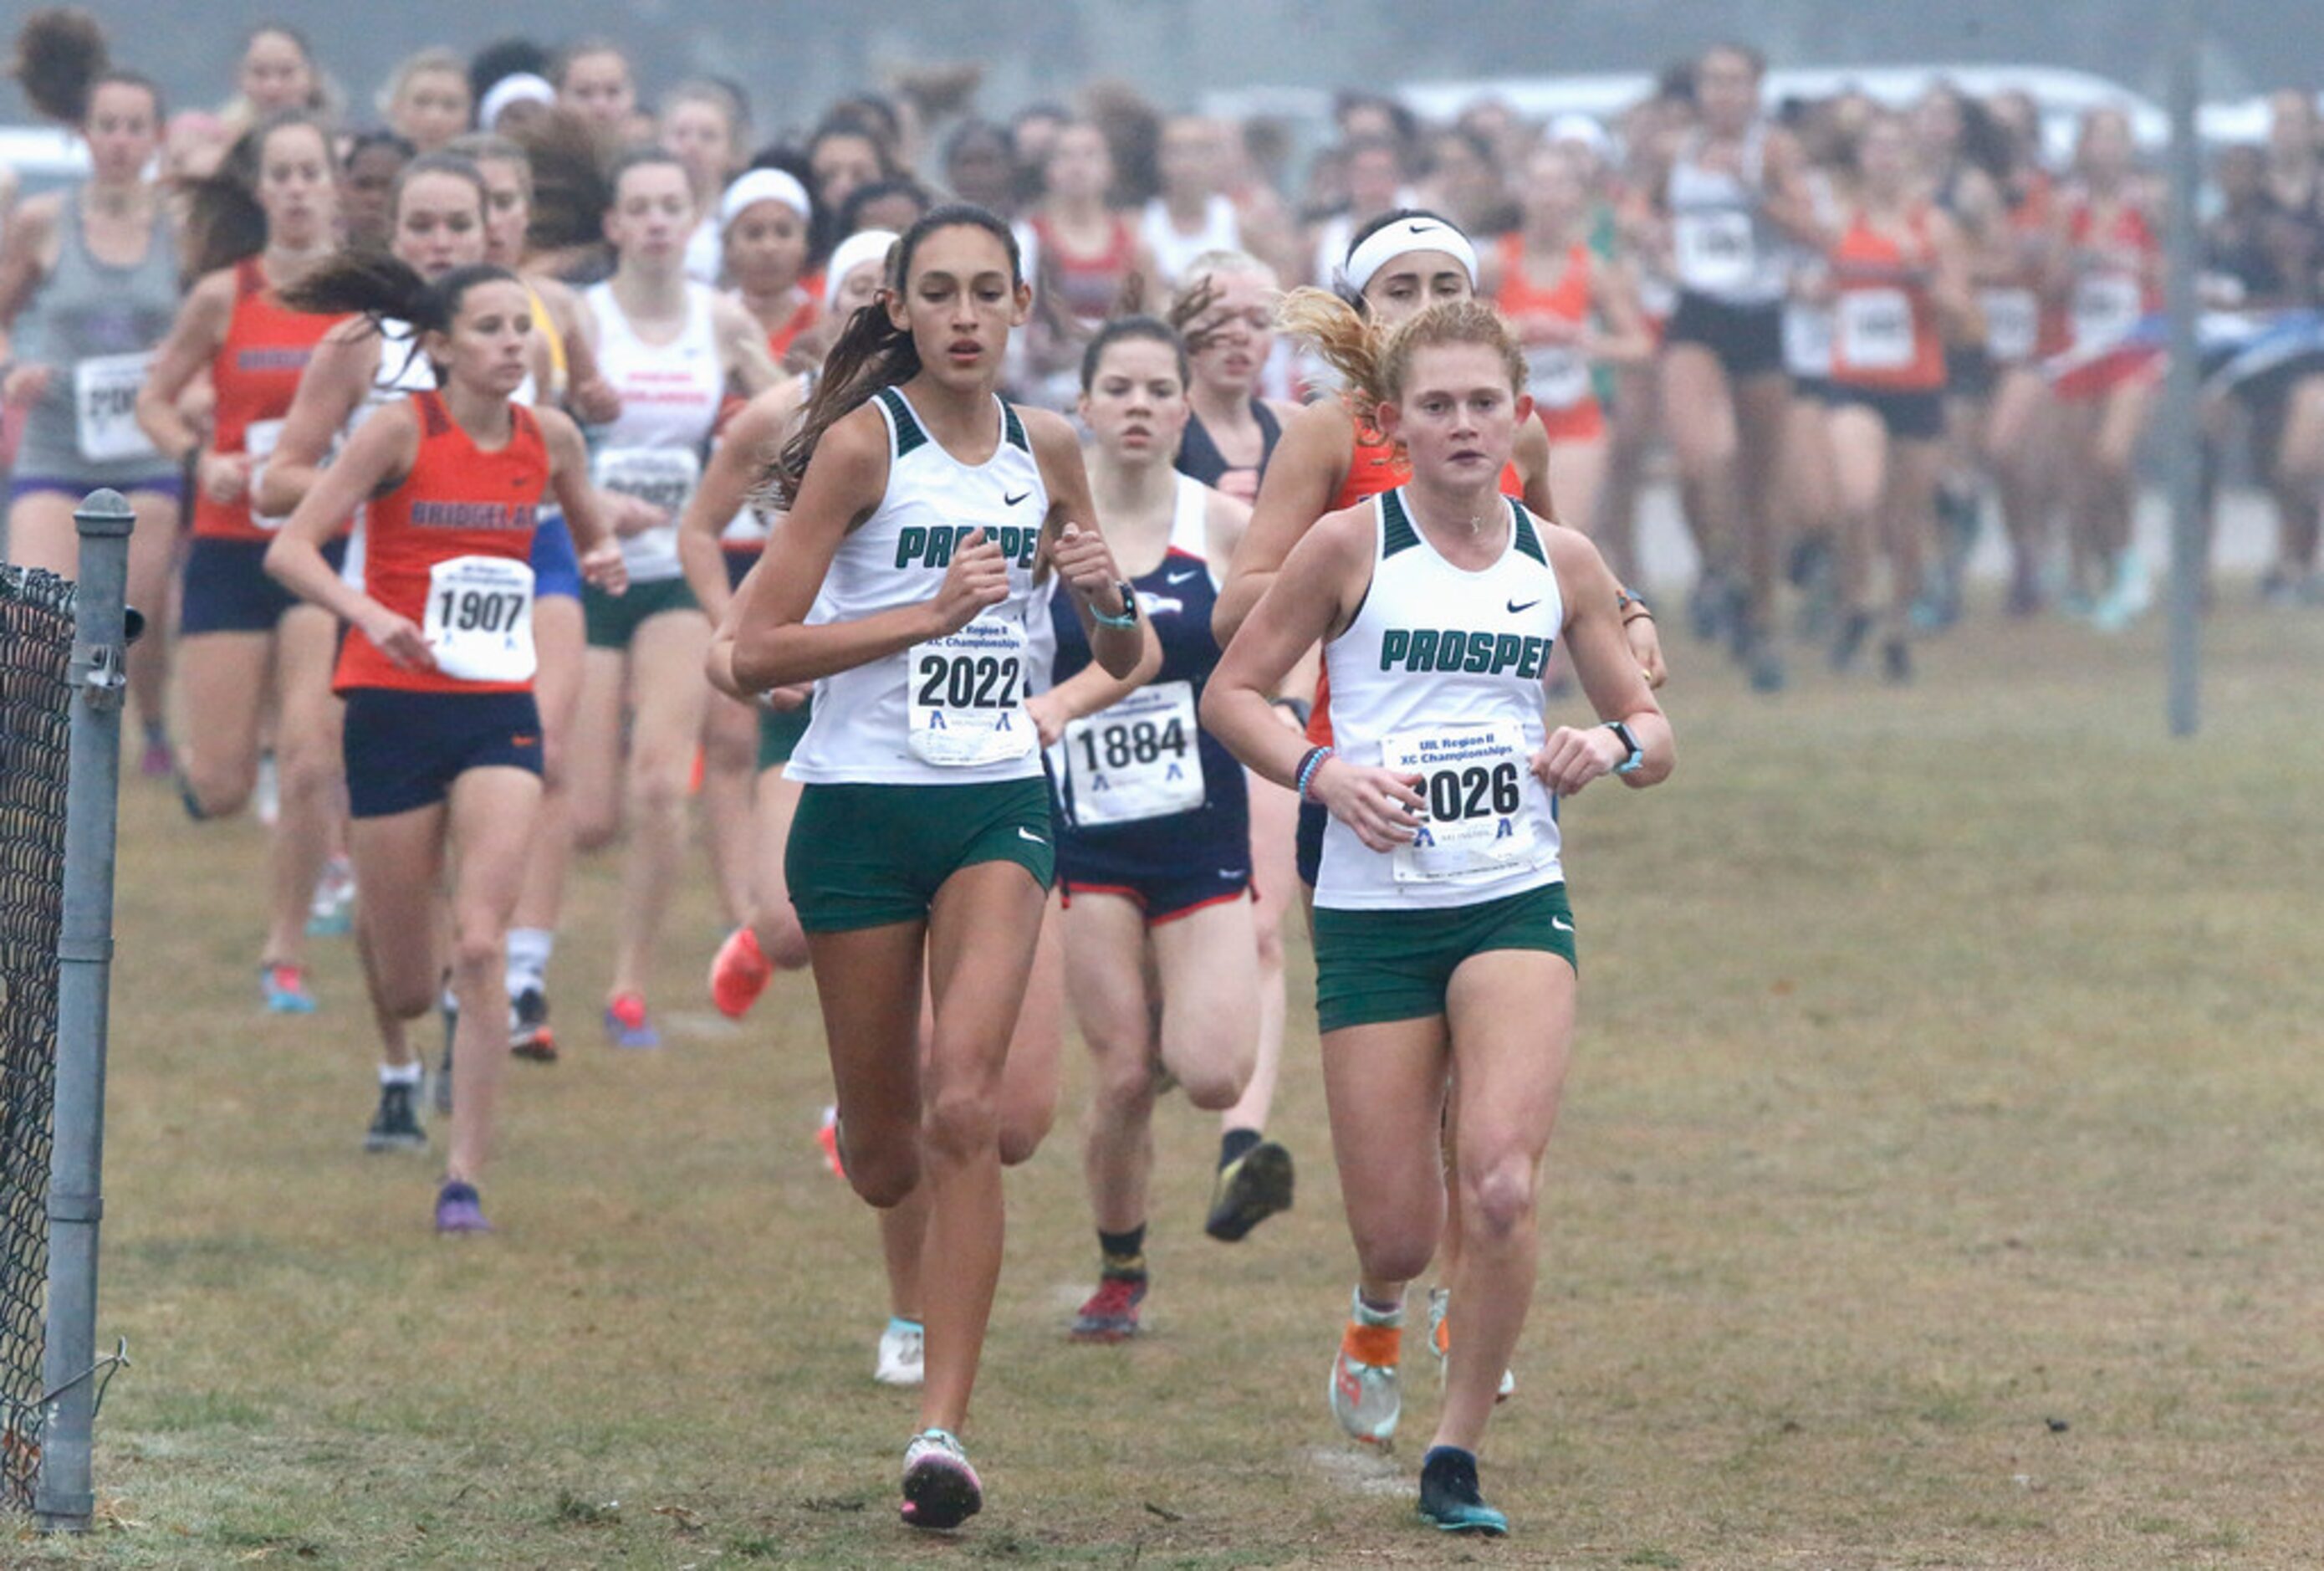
{"x": 1375, "y": 360}
{"x": 435, "y": 61}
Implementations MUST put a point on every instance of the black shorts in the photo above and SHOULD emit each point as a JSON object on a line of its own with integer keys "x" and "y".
{"x": 227, "y": 589}
{"x": 403, "y": 750}
{"x": 738, "y": 565}
{"x": 1748, "y": 341}
{"x": 1307, "y": 847}
{"x": 1969, "y": 371}
{"x": 1910, "y": 416}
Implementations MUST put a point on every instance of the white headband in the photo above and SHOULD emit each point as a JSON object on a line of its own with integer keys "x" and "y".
{"x": 863, "y": 245}
{"x": 523, "y": 87}
{"x": 1402, "y": 238}
{"x": 762, "y": 185}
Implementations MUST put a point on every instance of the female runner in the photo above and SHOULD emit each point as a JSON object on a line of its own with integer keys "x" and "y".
{"x": 443, "y": 739}
{"x": 1082, "y": 251}
{"x": 922, "y": 510}
{"x": 1443, "y": 941}
{"x": 241, "y": 637}
{"x": 1154, "y": 840}
{"x": 701, "y": 126}
{"x": 1900, "y": 283}
{"x": 427, "y": 101}
{"x": 670, "y": 347}
{"x": 89, "y": 286}
{"x": 1733, "y": 194}
{"x": 765, "y": 217}
{"x": 2021, "y": 436}
{"x": 1225, "y": 310}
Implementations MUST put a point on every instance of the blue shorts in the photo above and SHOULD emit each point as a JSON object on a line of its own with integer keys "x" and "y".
{"x": 171, "y": 485}
{"x": 555, "y": 567}
{"x": 403, "y": 750}
{"x": 227, "y": 589}
{"x": 738, "y": 565}
{"x": 1168, "y": 866}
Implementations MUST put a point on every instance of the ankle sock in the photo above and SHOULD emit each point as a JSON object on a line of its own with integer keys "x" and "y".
{"x": 1124, "y": 1252}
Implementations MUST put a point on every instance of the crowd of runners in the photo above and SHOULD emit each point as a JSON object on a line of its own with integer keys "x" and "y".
{"x": 1032, "y": 558}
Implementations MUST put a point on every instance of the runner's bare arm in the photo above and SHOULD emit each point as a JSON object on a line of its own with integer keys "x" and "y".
{"x": 1310, "y": 463}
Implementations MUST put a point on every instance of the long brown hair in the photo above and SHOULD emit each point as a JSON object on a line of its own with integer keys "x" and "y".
{"x": 1375, "y": 360}
{"x": 872, "y": 353}
{"x": 224, "y": 222}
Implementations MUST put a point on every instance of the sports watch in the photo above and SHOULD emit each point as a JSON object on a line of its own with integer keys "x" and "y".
{"x": 1128, "y": 617}
{"x": 1638, "y": 754}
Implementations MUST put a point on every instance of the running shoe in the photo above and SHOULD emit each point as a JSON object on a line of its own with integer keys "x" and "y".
{"x": 157, "y": 762}
{"x": 1764, "y": 663}
{"x": 940, "y": 1488}
{"x": 1440, "y": 1341}
{"x": 284, "y": 988}
{"x": 395, "y": 1127}
{"x": 529, "y": 1033}
{"x": 1850, "y": 645}
{"x": 1363, "y": 1391}
{"x": 739, "y": 974}
{"x": 627, "y": 1025}
{"x": 902, "y": 1352}
{"x": 1897, "y": 662}
{"x": 826, "y": 1141}
{"x": 332, "y": 912}
{"x": 2128, "y": 598}
{"x": 1449, "y": 1498}
{"x": 459, "y": 1209}
{"x": 1111, "y": 1314}
{"x": 1249, "y": 1189}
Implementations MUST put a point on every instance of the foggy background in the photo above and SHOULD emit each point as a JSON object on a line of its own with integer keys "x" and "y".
{"x": 794, "y": 58}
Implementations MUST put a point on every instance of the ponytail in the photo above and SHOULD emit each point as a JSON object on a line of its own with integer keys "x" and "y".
{"x": 1346, "y": 340}
{"x": 59, "y": 56}
{"x": 376, "y": 286}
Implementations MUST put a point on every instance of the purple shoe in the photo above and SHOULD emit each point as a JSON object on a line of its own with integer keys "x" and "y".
{"x": 458, "y": 1209}
{"x": 627, "y": 1024}
{"x": 157, "y": 763}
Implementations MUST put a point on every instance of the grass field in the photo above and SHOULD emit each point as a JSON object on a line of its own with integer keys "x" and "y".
{"x": 1936, "y": 1187}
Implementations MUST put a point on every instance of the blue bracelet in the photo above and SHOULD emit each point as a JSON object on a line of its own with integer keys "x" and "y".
{"x": 1308, "y": 765}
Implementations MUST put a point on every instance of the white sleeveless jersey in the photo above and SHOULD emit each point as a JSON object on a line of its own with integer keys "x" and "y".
{"x": 403, "y": 370}
{"x": 1221, "y": 230}
{"x": 1440, "y": 675}
{"x": 949, "y": 711}
{"x": 1190, "y": 526}
{"x": 1723, "y": 244}
{"x": 670, "y": 394}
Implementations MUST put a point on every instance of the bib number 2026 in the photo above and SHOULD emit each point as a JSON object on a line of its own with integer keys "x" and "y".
{"x": 1473, "y": 781}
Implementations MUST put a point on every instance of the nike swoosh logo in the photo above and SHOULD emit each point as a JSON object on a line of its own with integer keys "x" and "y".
{"x": 1233, "y": 871}
{"x": 1006, "y": 500}
{"x": 1181, "y": 578}
{"x": 1515, "y": 607}
{"x": 524, "y": 741}
{"x": 1025, "y": 834}
{"x": 1561, "y": 924}
{"x": 1417, "y": 228}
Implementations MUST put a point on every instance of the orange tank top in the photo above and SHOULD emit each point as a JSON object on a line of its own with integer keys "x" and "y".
{"x": 2106, "y": 299}
{"x": 255, "y": 373}
{"x": 1376, "y": 465}
{"x": 448, "y": 548}
{"x": 1884, "y": 320}
{"x": 1557, "y": 375}
{"x": 779, "y": 339}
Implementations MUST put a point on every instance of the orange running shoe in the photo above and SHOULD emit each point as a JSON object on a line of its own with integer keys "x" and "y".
{"x": 739, "y": 974}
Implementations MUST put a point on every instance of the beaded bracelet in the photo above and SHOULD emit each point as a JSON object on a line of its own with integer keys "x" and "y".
{"x": 1308, "y": 765}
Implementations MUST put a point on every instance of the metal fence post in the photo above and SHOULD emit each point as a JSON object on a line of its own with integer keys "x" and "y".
{"x": 65, "y": 1499}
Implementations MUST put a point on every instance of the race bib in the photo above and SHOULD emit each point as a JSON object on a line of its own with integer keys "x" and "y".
{"x": 2106, "y": 307}
{"x": 664, "y": 476}
{"x": 1714, "y": 250}
{"x": 1137, "y": 760}
{"x": 964, "y": 697}
{"x": 258, "y": 439}
{"x": 1876, "y": 329}
{"x": 2012, "y": 324}
{"x": 105, "y": 408}
{"x": 1558, "y": 377}
{"x": 479, "y": 619}
{"x": 1474, "y": 780}
{"x": 1807, "y": 339}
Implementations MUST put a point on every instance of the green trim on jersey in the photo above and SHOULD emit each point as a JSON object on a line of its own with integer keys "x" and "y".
{"x": 909, "y": 434}
{"x": 1012, "y": 429}
{"x": 1397, "y": 533}
{"x": 1528, "y": 540}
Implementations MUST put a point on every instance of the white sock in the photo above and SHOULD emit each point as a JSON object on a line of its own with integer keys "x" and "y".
{"x": 399, "y": 1074}
{"x": 529, "y": 949}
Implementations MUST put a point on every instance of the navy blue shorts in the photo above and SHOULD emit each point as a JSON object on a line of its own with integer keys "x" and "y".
{"x": 555, "y": 567}
{"x": 1910, "y": 415}
{"x": 738, "y": 565}
{"x": 171, "y": 485}
{"x": 403, "y": 750}
{"x": 227, "y": 589}
{"x": 1308, "y": 846}
{"x": 1170, "y": 868}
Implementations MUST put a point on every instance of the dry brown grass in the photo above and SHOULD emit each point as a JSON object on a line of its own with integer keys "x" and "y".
{"x": 1935, "y": 1189}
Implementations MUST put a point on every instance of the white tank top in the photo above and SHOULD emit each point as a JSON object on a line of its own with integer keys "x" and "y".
{"x": 1723, "y": 246}
{"x": 670, "y": 394}
{"x": 1440, "y": 675}
{"x": 1221, "y": 230}
{"x": 949, "y": 711}
{"x": 1190, "y": 525}
{"x": 403, "y": 370}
